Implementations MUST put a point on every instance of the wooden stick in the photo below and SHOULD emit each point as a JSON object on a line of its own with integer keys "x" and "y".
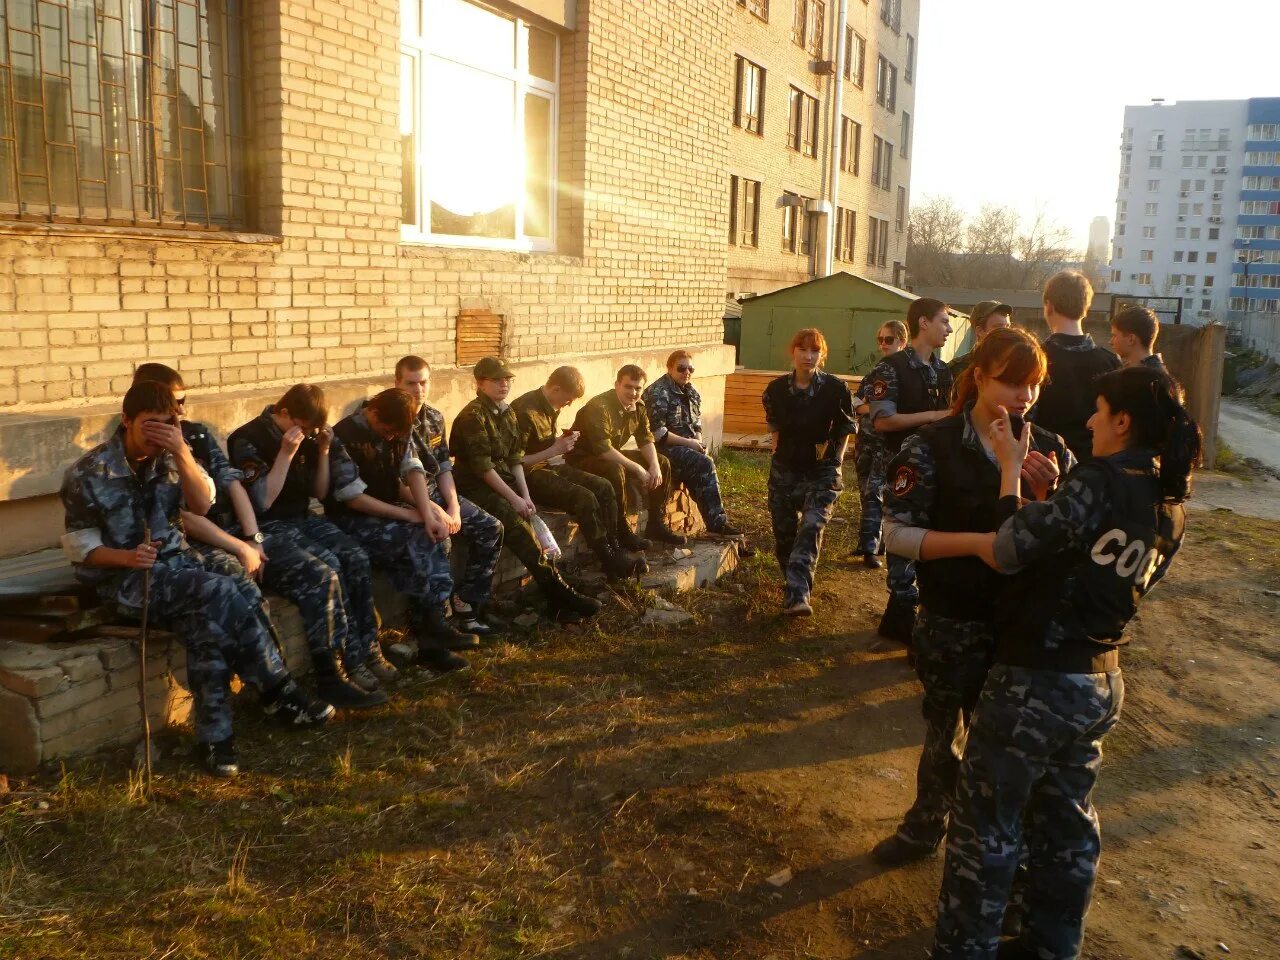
{"x": 142, "y": 666}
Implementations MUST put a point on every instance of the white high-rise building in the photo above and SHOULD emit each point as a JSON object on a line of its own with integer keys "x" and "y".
{"x": 1099, "y": 240}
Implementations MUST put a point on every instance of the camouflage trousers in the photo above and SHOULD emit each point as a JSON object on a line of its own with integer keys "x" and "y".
{"x": 518, "y": 535}
{"x": 221, "y": 630}
{"x": 327, "y": 575}
{"x": 483, "y": 533}
{"x": 588, "y": 498}
{"x": 414, "y": 565}
{"x": 697, "y": 472}
{"x": 869, "y": 461}
{"x": 623, "y": 486}
{"x": 216, "y": 560}
{"x": 800, "y": 505}
{"x": 900, "y": 576}
{"x": 952, "y": 658}
{"x": 1027, "y": 780}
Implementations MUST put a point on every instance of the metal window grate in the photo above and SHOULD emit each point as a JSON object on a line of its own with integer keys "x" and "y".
{"x": 123, "y": 111}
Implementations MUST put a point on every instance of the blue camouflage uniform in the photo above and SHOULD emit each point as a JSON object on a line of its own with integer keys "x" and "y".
{"x": 812, "y": 425}
{"x": 363, "y": 462}
{"x": 869, "y": 457}
{"x": 311, "y": 561}
{"x": 1082, "y": 561}
{"x": 1156, "y": 362}
{"x": 108, "y": 504}
{"x": 943, "y": 478}
{"x": 676, "y": 410}
{"x": 884, "y": 395}
{"x": 482, "y": 529}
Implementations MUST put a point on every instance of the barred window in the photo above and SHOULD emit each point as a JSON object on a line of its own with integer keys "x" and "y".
{"x": 123, "y": 111}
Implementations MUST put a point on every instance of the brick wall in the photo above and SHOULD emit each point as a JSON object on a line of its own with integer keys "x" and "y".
{"x": 326, "y": 290}
{"x": 768, "y": 159}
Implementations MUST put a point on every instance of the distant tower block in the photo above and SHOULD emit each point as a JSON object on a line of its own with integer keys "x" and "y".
{"x": 1100, "y": 240}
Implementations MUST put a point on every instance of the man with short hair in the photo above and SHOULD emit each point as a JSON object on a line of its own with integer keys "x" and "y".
{"x": 123, "y": 502}
{"x": 674, "y": 407}
{"x": 986, "y": 316}
{"x": 490, "y": 468}
{"x": 909, "y": 389}
{"x": 482, "y": 530}
{"x": 552, "y": 483}
{"x": 283, "y": 456}
{"x": 372, "y": 459}
{"x": 606, "y": 423}
{"x": 1133, "y": 338}
{"x": 1075, "y": 361}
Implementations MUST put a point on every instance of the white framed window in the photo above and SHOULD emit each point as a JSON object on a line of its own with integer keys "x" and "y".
{"x": 1180, "y": 233}
{"x": 1175, "y": 279}
{"x": 1155, "y": 161}
{"x": 1148, "y": 233}
{"x": 479, "y": 111}
{"x": 1151, "y": 209}
{"x": 1144, "y": 279}
{"x": 1146, "y": 256}
{"x": 1195, "y": 233}
{"x": 1153, "y": 186}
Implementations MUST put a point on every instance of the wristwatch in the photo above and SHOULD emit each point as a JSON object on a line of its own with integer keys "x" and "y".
{"x": 254, "y": 537}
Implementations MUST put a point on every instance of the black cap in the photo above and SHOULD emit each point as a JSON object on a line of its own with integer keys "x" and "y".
{"x": 492, "y": 368}
{"x": 986, "y": 308}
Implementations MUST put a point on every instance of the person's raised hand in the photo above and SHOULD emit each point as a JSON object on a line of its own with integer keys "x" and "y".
{"x": 145, "y": 554}
{"x": 1040, "y": 473}
{"x": 292, "y": 440}
{"x": 1011, "y": 451}
{"x": 167, "y": 436}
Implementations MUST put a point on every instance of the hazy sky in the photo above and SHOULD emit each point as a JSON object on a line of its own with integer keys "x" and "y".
{"x": 1021, "y": 102}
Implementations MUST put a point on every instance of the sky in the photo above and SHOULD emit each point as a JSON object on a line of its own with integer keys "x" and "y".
{"x": 1021, "y": 102}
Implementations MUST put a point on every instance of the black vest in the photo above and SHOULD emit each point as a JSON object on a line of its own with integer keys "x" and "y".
{"x": 1068, "y": 399}
{"x": 294, "y": 500}
{"x": 804, "y": 422}
{"x": 1090, "y": 596}
{"x": 915, "y": 395}
{"x": 377, "y": 461}
{"x": 966, "y": 499}
{"x": 200, "y": 440}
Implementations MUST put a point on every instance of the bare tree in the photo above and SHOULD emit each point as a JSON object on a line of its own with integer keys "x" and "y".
{"x": 935, "y": 241}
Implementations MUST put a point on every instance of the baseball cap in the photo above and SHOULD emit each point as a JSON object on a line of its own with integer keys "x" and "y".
{"x": 492, "y": 368}
{"x": 986, "y": 308}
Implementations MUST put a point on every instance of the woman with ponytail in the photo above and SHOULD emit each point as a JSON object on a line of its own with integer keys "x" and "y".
{"x": 947, "y": 478}
{"x": 1080, "y": 563}
{"x": 870, "y": 456}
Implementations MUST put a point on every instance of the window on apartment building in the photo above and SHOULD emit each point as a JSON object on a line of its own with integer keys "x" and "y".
{"x": 1197, "y": 209}
{"x": 1153, "y": 186}
{"x": 1195, "y": 233}
{"x": 1178, "y": 256}
{"x": 900, "y": 210}
{"x": 850, "y": 145}
{"x": 1119, "y": 252}
{"x": 1157, "y": 140}
{"x": 1183, "y": 209}
{"x": 891, "y": 14}
{"x": 797, "y": 224}
{"x": 1199, "y": 185}
{"x": 855, "y": 57}
{"x": 1191, "y": 279}
{"x": 1264, "y": 131}
{"x": 1144, "y": 279}
{"x": 123, "y": 113}
{"x": 877, "y": 242}
{"x": 1175, "y": 279}
{"x": 759, "y": 8}
{"x": 1260, "y": 208}
{"x": 744, "y": 212}
{"x": 846, "y": 233}
{"x": 1120, "y": 229}
{"x": 1208, "y": 280}
{"x": 881, "y": 163}
{"x": 748, "y": 103}
{"x": 1115, "y": 276}
{"x": 1155, "y": 161}
{"x": 809, "y": 25}
{"x": 1150, "y": 209}
{"x": 1148, "y": 233}
{"x": 1187, "y": 160}
{"x": 1202, "y": 161}
{"x": 1180, "y": 233}
{"x": 1146, "y": 256}
{"x": 886, "y": 85}
{"x": 905, "y": 146}
{"x": 802, "y": 124}
{"x": 479, "y": 103}
{"x": 1193, "y": 256}
{"x": 909, "y": 70}
{"x": 1211, "y": 256}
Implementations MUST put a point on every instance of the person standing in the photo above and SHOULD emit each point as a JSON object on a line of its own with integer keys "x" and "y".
{"x": 1075, "y": 361}
{"x": 482, "y": 530}
{"x": 910, "y": 389}
{"x": 486, "y": 440}
{"x": 605, "y": 424}
{"x": 1133, "y": 338}
{"x": 587, "y": 498}
{"x": 810, "y": 417}
{"x": 123, "y": 501}
{"x": 371, "y": 461}
{"x": 1080, "y": 565}
{"x": 869, "y": 454}
{"x": 283, "y": 455}
{"x": 945, "y": 478}
{"x": 986, "y": 316}
{"x": 675, "y": 419}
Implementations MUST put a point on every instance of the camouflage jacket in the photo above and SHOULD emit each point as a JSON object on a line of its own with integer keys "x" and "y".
{"x": 539, "y": 423}
{"x": 108, "y": 504}
{"x": 362, "y": 461}
{"x": 883, "y": 393}
{"x": 208, "y": 453}
{"x": 486, "y": 437}
{"x": 673, "y": 409}
{"x": 605, "y": 424}
{"x": 429, "y": 432}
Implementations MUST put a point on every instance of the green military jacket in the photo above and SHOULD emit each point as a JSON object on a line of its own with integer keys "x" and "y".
{"x": 537, "y": 420}
{"x": 485, "y": 437}
{"x": 605, "y": 423}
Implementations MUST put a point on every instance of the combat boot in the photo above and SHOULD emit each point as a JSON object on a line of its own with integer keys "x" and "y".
{"x": 335, "y": 686}
{"x": 476, "y": 618}
{"x": 616, "y": 564}
{"x": 434, "y": 630}
{"x": 898, "y": 621}
{"x": 219, "y": 759}
{"x": 363, "y": 677}
{"x": 291, "y": 705}
{"x": 659, "y": 532}
{"x": 379, "y": 665}
{"x": 566, "y": 604}
{"x": 632, "y": 541}
{"x": 440, "y": 660}
{"x": 899, "y": 849}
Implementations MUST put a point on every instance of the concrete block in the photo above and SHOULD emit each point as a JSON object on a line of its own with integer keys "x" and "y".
{"x": 74, "y": 696}
{"x": 120, "y": 655}
{"x": 37, "y": 682}
{"x": 20, "y": 748}
{"x": 79, "y": 669}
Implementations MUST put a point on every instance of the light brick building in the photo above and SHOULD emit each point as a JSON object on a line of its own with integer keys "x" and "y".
{"x": 262, "y": 193}
{"x": 789, "y": 58}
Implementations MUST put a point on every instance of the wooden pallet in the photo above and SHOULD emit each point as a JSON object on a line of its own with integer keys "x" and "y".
{"x": 743, "y": 411}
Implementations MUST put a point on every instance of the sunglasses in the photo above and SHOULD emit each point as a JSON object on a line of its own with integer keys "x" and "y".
{"x": 886, "y": 339}
{"x": 684, "y": 368}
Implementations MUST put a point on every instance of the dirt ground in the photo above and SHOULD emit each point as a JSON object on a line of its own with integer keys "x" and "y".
{"x": 607, "y": 792}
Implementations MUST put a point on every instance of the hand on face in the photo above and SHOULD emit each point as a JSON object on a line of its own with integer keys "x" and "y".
{"x": 1040, "y": 473}
{"x": 292, "y": 440}
{"x": 164, "y": 434}
{"x": 1011, "y": 451}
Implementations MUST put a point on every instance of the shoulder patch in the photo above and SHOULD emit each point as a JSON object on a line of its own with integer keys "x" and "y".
{"x": 879, "y": 390}
{"x": 251, "y": 470}
{"x": 904, "y": 480}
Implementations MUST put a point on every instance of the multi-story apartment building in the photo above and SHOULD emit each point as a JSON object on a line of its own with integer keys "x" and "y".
{"x": 817, "y": 101}
{"x": 1198, "y": 205}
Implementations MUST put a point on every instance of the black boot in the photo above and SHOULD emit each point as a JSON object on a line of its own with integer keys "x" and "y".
{"x": 335, "y": 687}
{"x": 567, "y": 605}
{"x": 659, "y": 532}
{"x": 436, "y": 631}
{"x": 632, "y": 541}
{"x": 219, "y": 759}
{"x": 441, "y": 660}
{"x": 615, "y": 564}
{"x": 898, "y": 621}
{"x": 899, "y": 849}
{"x": 635, "y": 557}
{"x": 292, "y": 706}
{"x": 479, "y": 621}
